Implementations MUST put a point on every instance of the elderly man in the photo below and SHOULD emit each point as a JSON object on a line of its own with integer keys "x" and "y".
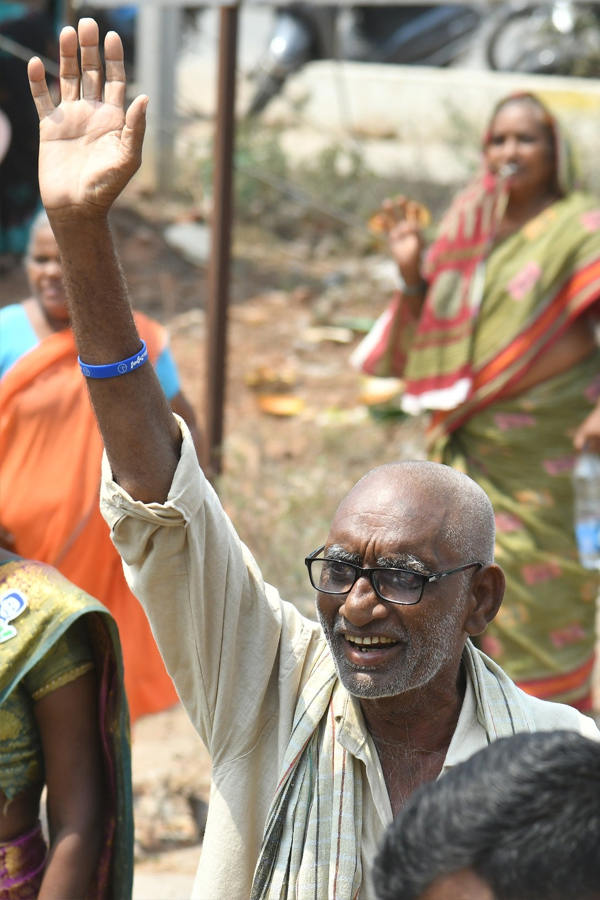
{"x": 317, "y": 734}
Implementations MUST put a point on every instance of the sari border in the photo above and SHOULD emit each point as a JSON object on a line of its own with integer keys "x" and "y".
{"x": 517, "y": 359}
{"x": 573, "y": 685}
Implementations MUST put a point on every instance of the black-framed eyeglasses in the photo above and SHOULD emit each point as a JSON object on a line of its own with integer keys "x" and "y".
{"x": 402, "y": 586}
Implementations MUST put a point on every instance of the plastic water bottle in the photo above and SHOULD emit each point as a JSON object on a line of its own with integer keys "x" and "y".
{"x": 586, "y": 482}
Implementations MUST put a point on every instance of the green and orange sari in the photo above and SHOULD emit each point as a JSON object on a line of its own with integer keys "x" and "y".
{"x": 520, "y": 451}
{"x": 482, "y": 328}
{"x": 492, "y": 308}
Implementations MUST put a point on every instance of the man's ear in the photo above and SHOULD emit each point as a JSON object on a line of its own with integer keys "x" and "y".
{"x": 487, "y": 592}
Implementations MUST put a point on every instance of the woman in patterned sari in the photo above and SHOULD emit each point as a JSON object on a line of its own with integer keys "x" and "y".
{"x": 63, "y": 724}
{"x": 493, "y": 331}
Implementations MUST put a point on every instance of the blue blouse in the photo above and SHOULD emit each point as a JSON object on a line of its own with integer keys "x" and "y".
{"x": 17, "y": 337}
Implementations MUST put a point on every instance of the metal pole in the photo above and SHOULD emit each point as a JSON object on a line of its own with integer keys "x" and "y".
{"x": 157, "y": 42}
{"x": 218, "y": 284}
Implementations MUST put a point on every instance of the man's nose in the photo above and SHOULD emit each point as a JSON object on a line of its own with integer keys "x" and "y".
{"x": 362, "y": 604}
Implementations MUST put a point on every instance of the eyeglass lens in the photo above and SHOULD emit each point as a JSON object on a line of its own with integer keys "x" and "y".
{"x": 397, "y": 585}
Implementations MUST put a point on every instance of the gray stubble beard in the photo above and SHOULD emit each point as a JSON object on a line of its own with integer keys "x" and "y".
{"x": 411, "y": 676}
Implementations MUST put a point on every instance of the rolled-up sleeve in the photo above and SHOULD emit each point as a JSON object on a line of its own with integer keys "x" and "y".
{"x": 217, "y": 625}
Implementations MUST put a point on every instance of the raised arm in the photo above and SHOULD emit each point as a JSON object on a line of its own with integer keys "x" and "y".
{"x": 406, "y": 247}
{"x": 89, "y": 150}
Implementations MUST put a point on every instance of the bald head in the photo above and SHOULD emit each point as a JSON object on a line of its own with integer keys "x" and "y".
{"x": 462, "y": 510}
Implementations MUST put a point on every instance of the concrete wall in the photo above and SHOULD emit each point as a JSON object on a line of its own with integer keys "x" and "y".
{"x": 423, "y": 120}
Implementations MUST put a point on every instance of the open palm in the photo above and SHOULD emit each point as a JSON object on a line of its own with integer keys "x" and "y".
{"x": 89, "y": 147}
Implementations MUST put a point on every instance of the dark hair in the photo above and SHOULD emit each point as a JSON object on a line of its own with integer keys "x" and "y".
{"x": 523, "y": 814}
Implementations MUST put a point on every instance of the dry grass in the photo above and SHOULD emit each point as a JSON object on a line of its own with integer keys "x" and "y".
{"x": 282, "y": 502}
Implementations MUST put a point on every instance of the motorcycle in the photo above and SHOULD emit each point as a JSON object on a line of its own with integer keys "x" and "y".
{"x": 554, "y": 38}
{"x": 557, "y": 37}
{"x": 427, "y": 35}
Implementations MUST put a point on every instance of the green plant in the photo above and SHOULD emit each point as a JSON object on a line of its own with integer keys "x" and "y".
{"x": 331, "y": 193}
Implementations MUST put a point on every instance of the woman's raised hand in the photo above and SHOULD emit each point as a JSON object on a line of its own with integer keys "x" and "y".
{"x": 405, "y": 239}
{"x": 89, "y": 147}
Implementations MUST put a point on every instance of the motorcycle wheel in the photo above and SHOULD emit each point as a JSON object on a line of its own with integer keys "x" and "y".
{"x": 526, "y": 40}
{"x": 268, "y": 87}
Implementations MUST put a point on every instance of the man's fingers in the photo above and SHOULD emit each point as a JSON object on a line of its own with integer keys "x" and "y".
{"x": 114, "y": 91}
{"x": 132, "y": 136}
{"x": 91, "y": 67}
{"x": 69, "y": 67}
{"x": 39, "y": 88}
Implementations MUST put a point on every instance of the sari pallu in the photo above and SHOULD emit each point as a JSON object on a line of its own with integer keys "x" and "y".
{"x": 53, "y": 605}
{"x": 520, "y": 451}
{"x": 50, "y": 460}
{"x": 523, "y": 295}
{"x": 492, "y": 306}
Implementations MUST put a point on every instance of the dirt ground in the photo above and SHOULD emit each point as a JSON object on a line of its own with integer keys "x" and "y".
{"x": 170, "y": 768}
{"x": 297, "y": 310}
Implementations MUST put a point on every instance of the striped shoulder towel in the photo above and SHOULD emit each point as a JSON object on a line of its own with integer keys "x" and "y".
{"x": 311, "y": 846}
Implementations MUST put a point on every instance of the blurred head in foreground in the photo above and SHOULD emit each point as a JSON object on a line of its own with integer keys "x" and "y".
{"x": 519, "y": 820}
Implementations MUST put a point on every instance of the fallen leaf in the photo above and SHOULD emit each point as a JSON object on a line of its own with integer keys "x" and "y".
{"x": 268, "y": 377}
{"x": 327, "y": 333}
{"x": 380, "y": 390}
{"x": 281, "y": 404}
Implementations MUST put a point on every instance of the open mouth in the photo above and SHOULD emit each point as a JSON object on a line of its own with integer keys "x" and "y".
{"x": 370, "y": 644}
{"x": 51, "y": 293}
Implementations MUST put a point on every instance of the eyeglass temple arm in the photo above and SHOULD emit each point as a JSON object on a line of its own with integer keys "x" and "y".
{"x": 314, "y": 553}
{"x": 439, "y": 575}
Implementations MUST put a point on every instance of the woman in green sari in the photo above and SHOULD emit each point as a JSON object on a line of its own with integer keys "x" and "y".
{"x": 63, "y": 724}
{"x": 493, "y": 331}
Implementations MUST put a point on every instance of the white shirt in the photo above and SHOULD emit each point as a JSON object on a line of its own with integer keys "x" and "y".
{"x": 239, "y": 657}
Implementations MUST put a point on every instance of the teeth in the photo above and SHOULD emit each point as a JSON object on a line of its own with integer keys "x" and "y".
{"x": 366, "y": 641}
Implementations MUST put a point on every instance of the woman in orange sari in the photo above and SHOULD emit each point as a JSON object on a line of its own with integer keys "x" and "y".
{"x": 50, "y": 454}
{"x": 493, "y": 332}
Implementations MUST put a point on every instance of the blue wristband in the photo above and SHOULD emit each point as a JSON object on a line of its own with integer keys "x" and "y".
{"x": 118, "y": 368}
